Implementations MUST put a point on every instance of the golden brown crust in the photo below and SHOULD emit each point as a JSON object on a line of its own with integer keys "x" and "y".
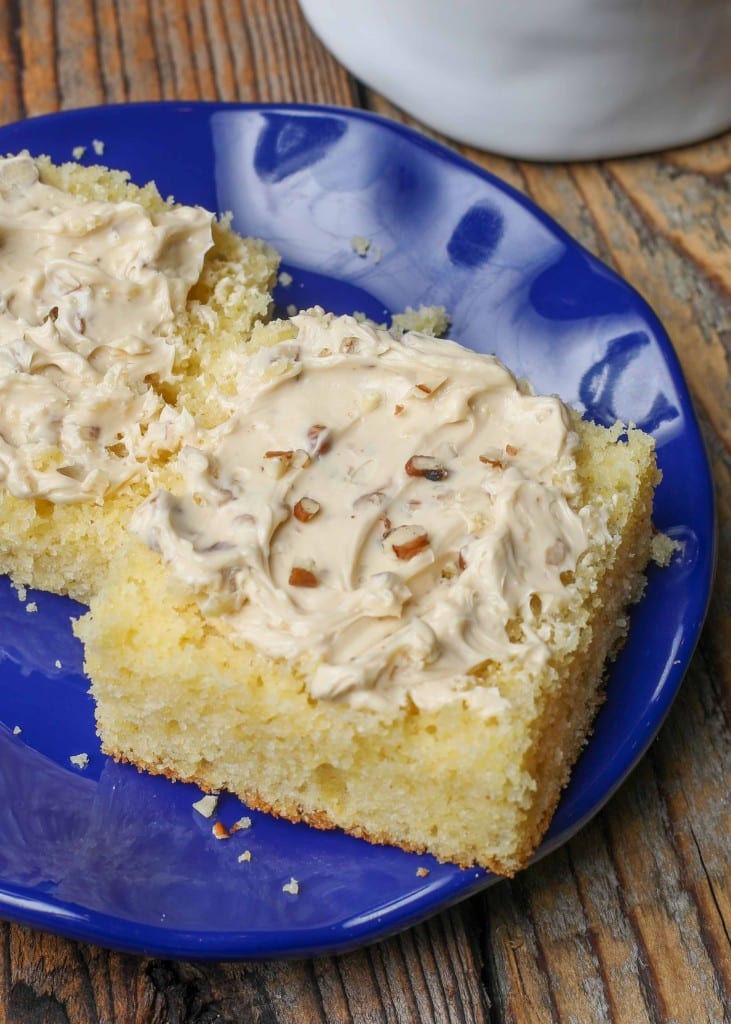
{"x": 317, "y": 819}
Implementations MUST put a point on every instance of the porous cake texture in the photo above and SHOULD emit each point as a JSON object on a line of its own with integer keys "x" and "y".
{"x": 417, "y": 707}
{"x": 57, "y": 349}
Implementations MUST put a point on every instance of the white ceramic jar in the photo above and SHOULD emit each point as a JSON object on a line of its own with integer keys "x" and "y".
{"x": 543, "y": 79}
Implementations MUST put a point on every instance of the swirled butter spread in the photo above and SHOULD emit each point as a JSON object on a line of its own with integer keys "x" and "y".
{"x": 391, "y": 513}
{"x": 88, "y": 294}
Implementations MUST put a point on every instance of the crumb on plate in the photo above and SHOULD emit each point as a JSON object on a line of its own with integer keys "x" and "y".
{"x": 360, "y": 245}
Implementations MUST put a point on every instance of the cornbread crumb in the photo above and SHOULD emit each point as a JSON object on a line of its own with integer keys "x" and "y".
{"x": 98, "y": 146}
{"x": 285, "y": 279}
{"x": 360, "y": 245}
{"x": 244, "y": 857}
{"x": 422, "y": 872}
{"x": 292, "y": 887}
{"x": 57, "y": 663}
{"x": 220, "y": 831}
{"x": 363, "y": 246}
{"x": 22, "y": 592}
{"x": 31, "y": 607}
{"x": 663, "y": 548}
{"x": 207, "y": 805}
{"x": 433, "y": 320}
{"x": 77, "y": 152}
{"x": 17, "y": 730}
{"x": 80, "y": 761}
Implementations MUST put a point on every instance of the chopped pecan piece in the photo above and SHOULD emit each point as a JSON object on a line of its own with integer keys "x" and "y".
{"x": 511, "y": 449}
{"x": 319, "y": 439}
{"x": 426, "y": 466}
{"x": 306, "y": 509}
{"x": 302, "y": 577}
{"x": 276, "y": 463}
{"x": 407, "y": 541}
{"x": 495, "y": 463}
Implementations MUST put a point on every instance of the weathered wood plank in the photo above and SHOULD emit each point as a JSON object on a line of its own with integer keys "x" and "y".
{"x": 11, "y": 65}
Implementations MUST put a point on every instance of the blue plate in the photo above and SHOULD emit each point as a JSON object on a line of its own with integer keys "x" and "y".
{"x": 118, "y": 858}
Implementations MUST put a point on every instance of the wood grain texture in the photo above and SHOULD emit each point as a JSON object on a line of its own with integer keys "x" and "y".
{"x": 629, "y": 922}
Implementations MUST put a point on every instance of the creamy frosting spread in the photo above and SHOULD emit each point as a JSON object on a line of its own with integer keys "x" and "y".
{"x": 88, "y": 294}
{"x": 391, "y": 513}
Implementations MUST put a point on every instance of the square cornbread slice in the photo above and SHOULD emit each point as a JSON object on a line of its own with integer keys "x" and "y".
{"x": 120, "y": 312}
{"x": 380, "y": 597}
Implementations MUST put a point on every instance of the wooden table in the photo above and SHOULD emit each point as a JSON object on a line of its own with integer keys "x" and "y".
{"x": 630, "y": 921}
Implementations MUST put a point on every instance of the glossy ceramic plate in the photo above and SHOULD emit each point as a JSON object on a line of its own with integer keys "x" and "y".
{"x": 105, "y": 854}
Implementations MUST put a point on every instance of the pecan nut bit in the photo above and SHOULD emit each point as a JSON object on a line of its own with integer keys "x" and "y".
{"x": 302, "y": 577}
{"x": 276, "y": 463}
{"x": 306, "y": 509}
{"x": 319, "y": 439}
{"x": 407, "y": 541}
{"x": 426, "y": 466}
